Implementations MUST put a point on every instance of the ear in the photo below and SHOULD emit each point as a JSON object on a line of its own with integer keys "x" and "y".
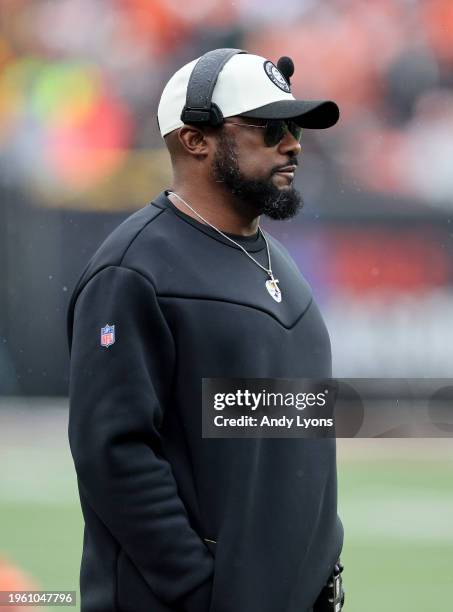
{"x": 195, "y": 141}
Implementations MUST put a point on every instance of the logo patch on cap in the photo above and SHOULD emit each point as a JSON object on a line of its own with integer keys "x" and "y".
{"x": 276, "y": 76}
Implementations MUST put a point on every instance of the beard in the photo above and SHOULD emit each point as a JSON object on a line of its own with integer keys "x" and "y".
{"x": 259, "y": 195}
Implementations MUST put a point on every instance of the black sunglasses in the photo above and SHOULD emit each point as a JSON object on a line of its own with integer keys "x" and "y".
{"x": 274, "y": 130}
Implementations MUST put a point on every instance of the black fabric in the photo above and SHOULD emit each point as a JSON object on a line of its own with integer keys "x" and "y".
{"x": 175, "y": 522}
{"x": 308, "y": 114}
{"x": 201, "y": 86}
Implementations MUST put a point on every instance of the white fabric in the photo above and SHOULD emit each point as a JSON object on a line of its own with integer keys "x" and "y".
{"x": 242, "y": 86}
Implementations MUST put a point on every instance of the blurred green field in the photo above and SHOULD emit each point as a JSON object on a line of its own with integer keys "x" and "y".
{"x": 398, "y": 519}
{"x": 395, "y": 498}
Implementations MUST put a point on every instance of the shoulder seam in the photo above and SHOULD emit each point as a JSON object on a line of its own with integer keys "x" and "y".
{"x": 119, "y": 267}
{"x": 138, "y": 233}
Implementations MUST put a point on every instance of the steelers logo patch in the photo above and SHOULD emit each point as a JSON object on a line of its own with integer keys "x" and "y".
{"x": 276, "y": 76}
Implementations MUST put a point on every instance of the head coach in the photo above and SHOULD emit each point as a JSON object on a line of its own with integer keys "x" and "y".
{"x": 190, "y": 287}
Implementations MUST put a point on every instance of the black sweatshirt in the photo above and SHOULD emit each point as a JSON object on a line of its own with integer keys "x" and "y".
{"x": 174, "y": 521}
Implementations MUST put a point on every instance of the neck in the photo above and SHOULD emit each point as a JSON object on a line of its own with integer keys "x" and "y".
{"x": 218, "y": 208}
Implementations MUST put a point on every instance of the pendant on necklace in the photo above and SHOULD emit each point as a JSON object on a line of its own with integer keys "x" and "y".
{"x": 273, "y": 289}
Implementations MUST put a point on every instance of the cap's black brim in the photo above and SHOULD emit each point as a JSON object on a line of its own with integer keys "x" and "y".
{"x": 311, "y": 114}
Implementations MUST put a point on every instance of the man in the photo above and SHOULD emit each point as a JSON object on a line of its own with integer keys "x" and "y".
{"x": 186, "y": 288}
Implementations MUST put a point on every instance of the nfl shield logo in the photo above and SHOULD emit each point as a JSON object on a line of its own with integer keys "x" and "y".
{"x": 107, "y": 335}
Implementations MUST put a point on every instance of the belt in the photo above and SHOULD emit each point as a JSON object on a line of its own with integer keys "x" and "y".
{"x": 331, "y": 598}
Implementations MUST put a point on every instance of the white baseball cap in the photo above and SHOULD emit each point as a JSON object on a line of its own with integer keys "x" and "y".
{"x": 251, "y": 86}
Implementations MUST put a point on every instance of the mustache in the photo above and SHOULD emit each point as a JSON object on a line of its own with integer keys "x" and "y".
{"x": 293, "y": 161}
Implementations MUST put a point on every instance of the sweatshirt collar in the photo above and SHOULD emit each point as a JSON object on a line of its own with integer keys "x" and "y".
{"x": 252, "y": 243}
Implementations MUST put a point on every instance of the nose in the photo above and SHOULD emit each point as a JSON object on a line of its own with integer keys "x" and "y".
{"x": 289, "y": 144}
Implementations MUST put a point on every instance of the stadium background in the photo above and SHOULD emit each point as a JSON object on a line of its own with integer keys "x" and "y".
{"x": 80, "y": 150}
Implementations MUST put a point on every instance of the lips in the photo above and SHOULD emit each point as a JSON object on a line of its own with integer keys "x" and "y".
{"x": 287, "y": 172}
{"x": 287, "y": 169}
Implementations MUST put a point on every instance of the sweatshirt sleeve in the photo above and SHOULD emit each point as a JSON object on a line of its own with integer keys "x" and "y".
{"x": 116, "y": 409}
